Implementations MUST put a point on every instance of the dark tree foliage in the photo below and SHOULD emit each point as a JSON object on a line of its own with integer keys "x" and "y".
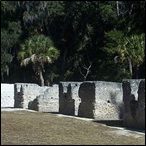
{"x": 95, "y": 39}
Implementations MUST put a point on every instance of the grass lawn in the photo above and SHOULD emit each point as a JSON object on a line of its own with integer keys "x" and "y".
{"x": 34, "y": 128}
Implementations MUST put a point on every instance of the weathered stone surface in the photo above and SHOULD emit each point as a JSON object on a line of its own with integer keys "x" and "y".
{"x": 92, "y": 99}
{"x": 87, "y": 95}
{"x": 7, "y": 95}
{"x": 101, "y": 100}
{"x": 68, "y": 98}
{"x": 48, "y": 102}
{"x": 134, "y": 103}
{"x": 25, "y": 93}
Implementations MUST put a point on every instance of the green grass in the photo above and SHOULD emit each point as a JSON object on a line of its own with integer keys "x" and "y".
{"x": 34, "y": 128}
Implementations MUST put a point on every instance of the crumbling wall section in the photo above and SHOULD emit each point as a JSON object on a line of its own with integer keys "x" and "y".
{"x": 108, "y": 100}
{"x": 91, "y": 99}
{"x": 87, "y": 95}
{"x": 101, "y": 100}
{"x": 47, "y": 102}
{"x": 134, "y": 103}
{"x": 68, "y": 98}
{"x": 7, "y": 95}
{"x": 25, "y": 93}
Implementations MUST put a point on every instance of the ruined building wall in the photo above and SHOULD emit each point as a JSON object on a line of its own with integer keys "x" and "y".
{"x": 101, "y": 100}
{"x": 68, "y": 98}
{"x": 95, "y": 99}
{"x": 134, "y": 103}
{"x": 47, "y": 102}
{"x": 87, "y": 95}
{"x": 25, "y": 93}
{"x": 92, "y": 99}
{"x": 7, "y": 95}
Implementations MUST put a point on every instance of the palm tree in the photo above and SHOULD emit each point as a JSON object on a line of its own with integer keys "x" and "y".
{"x": 38, "y": 50}
{"x": 132, "y": 51}
{"x": 136, "y": 45}
{"x": 129, "y": 51}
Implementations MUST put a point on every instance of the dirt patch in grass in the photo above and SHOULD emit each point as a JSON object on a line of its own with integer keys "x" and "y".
{"x": 34, "y": 128}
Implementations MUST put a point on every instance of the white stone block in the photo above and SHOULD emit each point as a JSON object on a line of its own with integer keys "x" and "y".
{"x": 7, "y": 95}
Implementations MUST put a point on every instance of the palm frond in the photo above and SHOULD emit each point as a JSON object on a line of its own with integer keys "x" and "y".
{"x": 38, "y": 50}
{"x": 33, "y": 58}
{"x": 21, "y": 55}
{"x": 53, "y": 53}
{"x": 49, "y": 60}
{"x": 25, "y": 62}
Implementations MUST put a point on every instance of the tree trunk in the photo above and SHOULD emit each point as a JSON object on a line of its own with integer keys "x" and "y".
{"x": 117, "y": 8}
{"x": 41, "y": 78}
{"x": 130, "y": 66}
{"x": 137, "y": 71}
{"x": 47, "y": 83}
{"x": 63, "y": 64}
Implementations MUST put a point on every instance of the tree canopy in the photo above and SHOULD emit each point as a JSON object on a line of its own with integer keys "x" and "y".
{"x": 72, "y": 41}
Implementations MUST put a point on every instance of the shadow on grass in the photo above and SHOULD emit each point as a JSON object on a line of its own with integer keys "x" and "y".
{"x": 118, "y": 123}
{"x": 135, "y": 129}
{"x": 63, "y": 114}
{"x": 112, "y": 123}
{"x": 115, "y": 123}
{"x": 52, "y": 112}
{"x": 7, "y": 107}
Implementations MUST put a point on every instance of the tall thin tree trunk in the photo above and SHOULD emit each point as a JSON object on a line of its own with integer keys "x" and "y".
{"x": 41, "y": 78}
{"x": 130, "y": 67}
{"x": 63, "y": 64}
{"x": 117, "y": 2}
{"x": 137, "y": 71}
{"x": 24, "y": 77}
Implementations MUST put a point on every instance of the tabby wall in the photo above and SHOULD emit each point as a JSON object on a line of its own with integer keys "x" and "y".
{"x": 33, "y": 96}
{"x": 46, "y": 102}
{"x": 7, "y": 95}
{"x": 96, "y": 99}
{"x": 101, "y": 100}
{"x": 134, "y": 103}
{"x": 69, "y": 100}
{"x": 25, "y": 93}
{"x": 92, "y": 99}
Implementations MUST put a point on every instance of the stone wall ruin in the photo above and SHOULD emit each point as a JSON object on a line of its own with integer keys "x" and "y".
{"x": 68, "y": 98}
{"x": 25, "y": 93}
{"x": 7, "y": 95}
{"x": 99, "y": 100}
{"x": 134, "y": 103}
{"x": 47, "y": 102}
{"x": 33, "y": 96}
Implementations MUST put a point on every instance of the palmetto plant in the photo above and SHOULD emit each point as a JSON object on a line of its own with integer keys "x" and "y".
{"x": 129, "y": 51}
{"x": 132, "y": 50}
{"x": 38, "y": 50}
